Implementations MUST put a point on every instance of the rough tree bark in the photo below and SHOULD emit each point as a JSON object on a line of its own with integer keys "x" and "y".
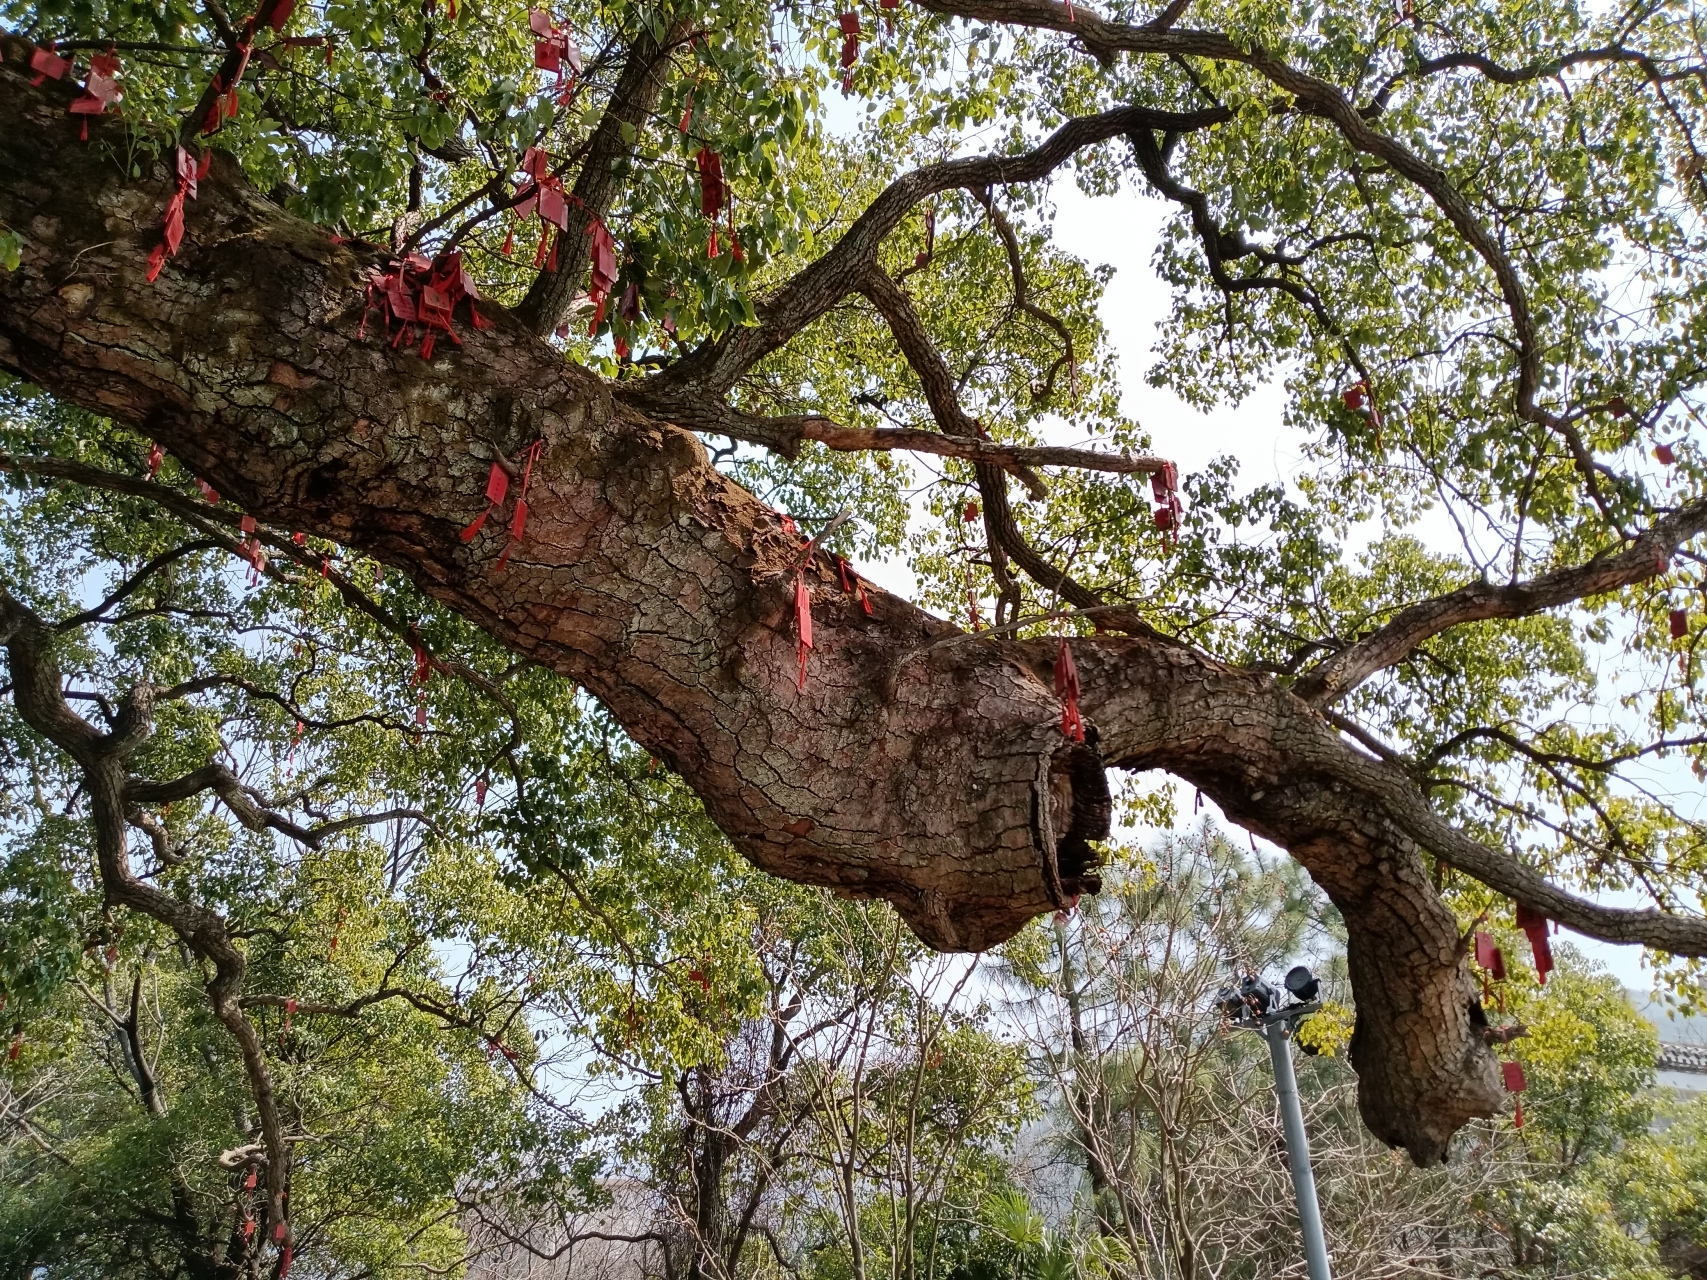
{"x": 920, "y": 765}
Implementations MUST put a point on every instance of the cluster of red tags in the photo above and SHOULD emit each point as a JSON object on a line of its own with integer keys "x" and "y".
{"x": 100, "y": 90}
{"x": 223, "y": 105}
{"x": 249, "y": 547}
{"x": 544, "y": 195}
{"x": 1491, "y": 961}
{"x": 421, "y": 292}
{"x": 553, "y": 48}
{"x": 849, "y": 23}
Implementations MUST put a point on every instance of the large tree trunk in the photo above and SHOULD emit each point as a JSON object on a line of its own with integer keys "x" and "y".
{"x": 918, "y": 765}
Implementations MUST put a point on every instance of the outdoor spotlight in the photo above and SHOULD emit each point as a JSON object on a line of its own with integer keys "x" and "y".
{"x": 1303, "y": 984}
{"x": 1256, "y": 993}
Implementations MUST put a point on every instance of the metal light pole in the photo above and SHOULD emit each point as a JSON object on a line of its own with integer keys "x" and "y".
{"x": 1251, "y": 1007}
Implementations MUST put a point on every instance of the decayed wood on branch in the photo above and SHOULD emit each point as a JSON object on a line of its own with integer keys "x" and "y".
{"x": 930, "y": 773}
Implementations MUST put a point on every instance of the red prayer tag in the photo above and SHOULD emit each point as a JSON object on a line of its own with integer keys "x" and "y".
{"x": 1664, "y": 454}
{"x": 1067, "y": 689}
{"x": 48, "y": 65}
{"x": 545, "y": 56}
{"x": 553, "y": 208}
{"x": 1489, "y": 957}
{"x": 539, "y": 22}
{"x": 1534, "y": 924}
{"x": 1679, "y": 623}
{"x": 497, "y": 484}
{"x": 208, "y": 491}
{"x": 1512, "y": 1073}
{"x": 802, "y": 624}
{"x": 156, "y": 457}
{"x": 711, "y": 188}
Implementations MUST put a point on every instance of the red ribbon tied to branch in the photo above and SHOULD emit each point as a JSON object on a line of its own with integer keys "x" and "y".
{"x": 1164, "y": 487}
{"x": 1354, "y": 398}
{"x": 1067, "y": 689}
{"x": 188, "y": 172}
{"x": 497, "y": 485}
{"x": 802, "y": 624}
{"x": 854, "y": 585}
{"x": 1534, "y": 924}
{"x": 519, "y": 521}
{"x": 603, "y": 277}
{"x": 850, "y": 38}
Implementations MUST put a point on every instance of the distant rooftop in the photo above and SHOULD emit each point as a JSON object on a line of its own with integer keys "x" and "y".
{"x": 1682, "y": 1063}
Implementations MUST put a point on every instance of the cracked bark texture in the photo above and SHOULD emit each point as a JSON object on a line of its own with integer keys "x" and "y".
{"x": 931, "y": 776}
{"x": 919, "y": 765}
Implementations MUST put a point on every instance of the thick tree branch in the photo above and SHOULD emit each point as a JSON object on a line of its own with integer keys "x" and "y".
{"x": 36, "y": 684}
{"x": 631, "y": 103}
{"x": 933, "y": 775}
{"x": 1361, "y": 827}
{"x": 217, "y": 778}
{"x": 130, "y": 585}
{"x": 1646, "y": 556}
{"x": 940, "y": 393}
{"x": 1315, "y": 96}
{"x": 844, "y": 268}
{"x": 785, "y": 435}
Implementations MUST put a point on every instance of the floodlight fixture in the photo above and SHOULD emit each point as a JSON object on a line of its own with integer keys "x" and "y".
{"x": 1304, "y": 985}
